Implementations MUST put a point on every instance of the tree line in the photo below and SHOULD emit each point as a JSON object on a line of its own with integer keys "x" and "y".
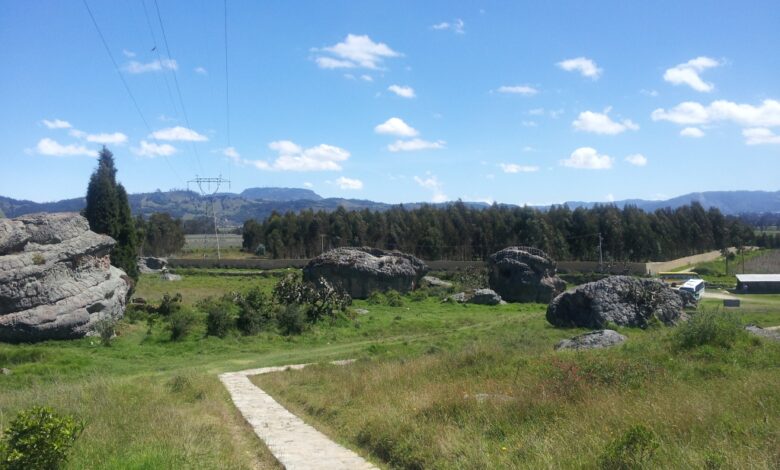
{"x": 460, "y": 232}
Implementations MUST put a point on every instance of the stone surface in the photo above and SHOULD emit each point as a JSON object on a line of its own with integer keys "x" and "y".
{"x": 592, "y": 340}
{"x": 688, "y": 299}
{"x": 622, "y": 300}
{"x": 485, "y": 297}
{"x": 768, "y": 333}
{"x": 436, "y": 282}
{"x": 150, "y": 264}
{"x": 459, "y": 297}
{"x": 295, "y": 444}
{"x": 56, "y": 279}
{"x": 361, "y": 271}
{"x": 521, "y": 274}
{"x": 166, "y": 276}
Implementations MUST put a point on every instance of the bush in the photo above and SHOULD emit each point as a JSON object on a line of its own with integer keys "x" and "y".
{"x": 632, "y": 450}
{"x": 169, "y": 304}
{"x": 256, "y": 312}
{"x": 38, "y": 259}
{"x": 320, "y": 299}
{"x": 291, "y": 320}
{"x": 394, "y": 299}
{"x": 219, "y": 316}
{"x": 180, "y": 323}
{"x": 376, "y": 298}
{"x": 105, "y": 327}
{"x": 419, "y": 295}
{"x": 708, "y": 328}
{"x": 38, "y": 438}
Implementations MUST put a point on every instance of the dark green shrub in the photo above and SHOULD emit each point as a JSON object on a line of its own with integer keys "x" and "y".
{"x": 38, "y": 438}
{"x": 105, "y": 327}
{"x": 419, "y": 295}
{"x": 291, "y": 320}
{"x": 394, "y": 299}
{"x": 256, "y": 312}
{"x": 169, "y": 304}
{"x": 219, "y": 316}
{"x": 38, "y": 259}
{"x": 320, "y": 299}
{"x": 632, "y": 450}
{"x": 708, "y": 328}
{"x": 180, "y": 323}
{"x": 376, "y": 298}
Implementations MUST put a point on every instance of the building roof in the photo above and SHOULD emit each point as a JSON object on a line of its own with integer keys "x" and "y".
{"x": 758, "y": 277}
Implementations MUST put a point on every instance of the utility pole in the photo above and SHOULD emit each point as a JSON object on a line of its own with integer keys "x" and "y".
{"x": 207, "y": 192}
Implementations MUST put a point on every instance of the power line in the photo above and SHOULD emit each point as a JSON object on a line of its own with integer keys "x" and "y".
{"x": 227, "y": 79}
{"x": 124, "y": 82}
{"x": 176, "y": 81}
{"x": 159, "y": 58}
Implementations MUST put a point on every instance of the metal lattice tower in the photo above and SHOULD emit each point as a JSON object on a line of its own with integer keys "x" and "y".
{"x": 205, "y": 186}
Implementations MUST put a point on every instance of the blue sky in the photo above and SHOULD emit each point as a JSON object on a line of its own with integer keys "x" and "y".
{"x": 517, "y": 102}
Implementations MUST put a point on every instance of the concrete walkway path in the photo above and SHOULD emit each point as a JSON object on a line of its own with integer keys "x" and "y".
{"x": 295, "y": 444}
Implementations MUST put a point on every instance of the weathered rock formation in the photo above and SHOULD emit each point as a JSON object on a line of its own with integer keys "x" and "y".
{"x": 623, "y": 300}
{"x": 688, "y": 299}
{"x": 485, "y": 297}
{"x": 520, "y": 274}
{"x": 56, "y": 278}
{"x": 592, "y": 340}
{"x": 150, "y": 264}
{"x": 361, "y": 271}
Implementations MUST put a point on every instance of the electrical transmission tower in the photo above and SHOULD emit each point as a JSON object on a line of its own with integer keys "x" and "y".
{"x": 205, "y": 186}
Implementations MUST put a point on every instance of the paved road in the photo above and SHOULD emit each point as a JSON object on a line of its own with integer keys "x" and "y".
{"x": 295, "y": 444}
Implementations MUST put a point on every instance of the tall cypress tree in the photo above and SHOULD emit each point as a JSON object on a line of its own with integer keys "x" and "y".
{"x": 108, "y": 212}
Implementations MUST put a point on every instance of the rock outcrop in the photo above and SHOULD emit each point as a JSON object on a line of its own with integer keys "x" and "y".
{"x": 592, "y": 340}
{"x": 521, "y": 274}
{"x": 361, "y": 271}
{"x": 485, "y": 297}
{"x": 151, "y": 265}
{"x": 56, "y": 278}
{"x": 622, "y": 300}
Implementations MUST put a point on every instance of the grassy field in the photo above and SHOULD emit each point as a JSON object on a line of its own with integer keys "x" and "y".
{"x": 755, "y": 262}
{"x": 149, "y": 402}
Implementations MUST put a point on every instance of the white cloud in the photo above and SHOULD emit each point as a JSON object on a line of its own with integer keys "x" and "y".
{"x": 688, "y": 73}
{"x": 759, "y": 136}
{"x": 396, "y": 126}
{"x": 415, "y": 144}
{"x": 367, "y": 78}
{"x": 129, "y": 54}
{"x": 767, "y": 114}
{"x": 152, "y": 150}
{"x": 528, "y": 123}
{"x": 308, "y": 185}
{"x": 178, "y": 133}
{"x": 524, "y": 90}
{"x": 528, "y": 148}
{"x": 588, "y": 158}
{"x": 53, "y": 148}
{"x": 652, "y": 93}
{"x": 515, "y": 168}
{"x": 402, "y": 91}
{"x": 586, "y": 67}
{"x": 232, "y": 154}
{"x": 601, "y": 123}
{"x": 153, "y": 66}
{"x": 349, "y": 183}
{"x": 292, "y": 157}
{"x": 432, "y": 183}
{"x": 201, "y": 70}
{"x": 356, "y": 51}
{"x": 637, "y": 159}
{"x": 105, "y": 138}
{"x": 456, "y": 26}
{"x": 694, "y": 132}
{"x": 56, "y": 124}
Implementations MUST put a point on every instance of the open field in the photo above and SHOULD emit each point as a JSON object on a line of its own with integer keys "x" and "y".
{"x": 410, "y": 401}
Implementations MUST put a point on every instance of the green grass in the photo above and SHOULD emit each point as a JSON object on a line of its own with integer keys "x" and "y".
{"x": 714, "y": 272}
{"x": 152, "y": 403}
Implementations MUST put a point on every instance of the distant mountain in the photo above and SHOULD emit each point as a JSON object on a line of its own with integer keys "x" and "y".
{"x": 280, "y": 194}
{"x": 259, "y": 203}
{"x": 728, "y": 202}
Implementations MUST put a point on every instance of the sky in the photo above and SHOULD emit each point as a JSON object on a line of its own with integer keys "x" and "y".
{"x": 393, "y": 101}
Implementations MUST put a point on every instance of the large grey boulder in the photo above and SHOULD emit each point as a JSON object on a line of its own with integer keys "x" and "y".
{"x": 151, "y": 264}
{"x": 56, "y": 278}
{"x": 485, "y": 297}
{"x": 592, "y": 340}
{"x": 363, "y": 270}
{"x": 520, "y": 274}
{"x": 623, "y": 300}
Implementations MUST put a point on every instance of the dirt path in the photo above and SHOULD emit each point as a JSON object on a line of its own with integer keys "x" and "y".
{"x": 294, "y": 443}
{"x": 708, "y": 294}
